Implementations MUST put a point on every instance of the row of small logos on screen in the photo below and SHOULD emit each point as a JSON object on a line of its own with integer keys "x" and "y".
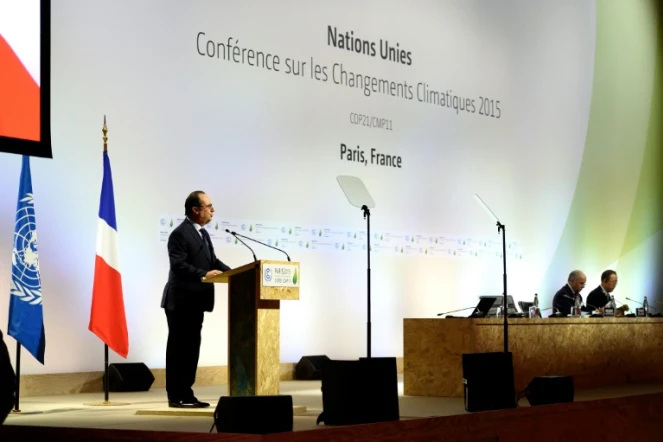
{"x": 346, "y": 240}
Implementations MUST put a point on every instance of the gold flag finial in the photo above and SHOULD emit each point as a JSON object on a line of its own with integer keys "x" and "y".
{"x": 105, "y": 130}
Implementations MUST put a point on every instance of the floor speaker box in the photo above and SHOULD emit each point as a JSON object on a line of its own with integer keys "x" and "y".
{"x": 309, "y": 368}
{"x": 359, "y": 392}
{"x": 129, "y": 376}
{"x": 254, "y": 414}
{"x": 488, "y": 381}
{"x": 545, "y": 390}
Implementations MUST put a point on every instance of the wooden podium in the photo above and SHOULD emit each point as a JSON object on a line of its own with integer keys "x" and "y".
{"x": 255, "y": 291}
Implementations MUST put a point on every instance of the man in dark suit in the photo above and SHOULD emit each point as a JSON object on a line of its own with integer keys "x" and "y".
{"x": 7, "y": 382}
{"x": 186, "y": 298}
{"x": 564, "y": 299}
{"x": 600, "y": 296}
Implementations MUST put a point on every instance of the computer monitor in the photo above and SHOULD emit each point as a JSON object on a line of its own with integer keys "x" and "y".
{"x": 524, "y": 306}
{"x": 511, "y": 306}
{"x": 483, "y": 307}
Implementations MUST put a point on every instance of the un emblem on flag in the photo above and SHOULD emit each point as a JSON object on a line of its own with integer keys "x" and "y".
{"x": 26, "y": 281}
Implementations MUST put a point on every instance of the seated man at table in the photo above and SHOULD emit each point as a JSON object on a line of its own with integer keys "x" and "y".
{"x": 564, "y": 299}
{"x": 600, "y": 296}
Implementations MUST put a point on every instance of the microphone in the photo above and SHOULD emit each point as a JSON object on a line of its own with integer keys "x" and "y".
{"x": 454, "y": 311}
{"x": 596, "y": 311}
{"x": 553, "y": 308}
{"x": 255, "y": 240}
{"x": 247, "y": 246}
{"x": 633, "y": 300}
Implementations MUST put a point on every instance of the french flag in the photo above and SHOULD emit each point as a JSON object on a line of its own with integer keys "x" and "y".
{"x": 107, "y": 318}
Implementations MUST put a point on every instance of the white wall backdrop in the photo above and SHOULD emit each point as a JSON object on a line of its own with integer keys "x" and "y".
{"x": 265, "y": 146}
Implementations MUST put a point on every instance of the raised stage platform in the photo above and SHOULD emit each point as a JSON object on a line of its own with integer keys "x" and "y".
{"x": 611, "y": 410}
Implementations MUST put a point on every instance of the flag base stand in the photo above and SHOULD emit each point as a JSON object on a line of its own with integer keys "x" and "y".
{"x": 106, "y": 404}
{"x": 26, "y": 412}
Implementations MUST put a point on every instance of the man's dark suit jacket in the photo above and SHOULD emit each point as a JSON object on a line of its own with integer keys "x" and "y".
{"x": 597, "y": 298}
{"x": 188, "y": 264}
{"x": 564, "y": 300}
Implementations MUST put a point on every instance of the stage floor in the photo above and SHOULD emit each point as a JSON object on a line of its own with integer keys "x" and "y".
{"x": 150, "y": 411}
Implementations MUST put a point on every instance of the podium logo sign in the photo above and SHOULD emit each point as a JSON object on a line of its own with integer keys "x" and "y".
{"x": 280, "y": 275}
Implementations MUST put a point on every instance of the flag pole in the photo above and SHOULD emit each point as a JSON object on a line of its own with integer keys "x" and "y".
{"x": 106, "y": 379}
{"x": 104, "y": 129}
{"x": 18, "y": 378}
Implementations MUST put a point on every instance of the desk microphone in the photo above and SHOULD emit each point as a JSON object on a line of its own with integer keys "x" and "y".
{"x": 596, "y": 313}
{"x": 638, "y": 302}
{"x": 454, "y": 311}
{"x": 255, "y": 240}
{"x": 552, "y": 308}
{"x": 247, "y": 246}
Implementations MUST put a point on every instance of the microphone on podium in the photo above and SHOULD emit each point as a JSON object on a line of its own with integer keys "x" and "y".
{"x": 255, "y": 240}
{"x": 454, "y": 311}
{"x": 247, "y": 246}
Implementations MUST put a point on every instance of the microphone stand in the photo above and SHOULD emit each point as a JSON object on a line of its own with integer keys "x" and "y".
{"x": 259, "y": 242}
{"x": 454, "y": 311}
{"x": 553, "y": 308}
{"x": 367, "y": 217}
{"x": 638, "y": 302}
{"x": 500, "y": 228}
{"x": 247, "y": 246}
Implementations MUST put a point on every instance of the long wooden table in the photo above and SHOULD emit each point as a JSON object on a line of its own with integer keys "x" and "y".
{"x": 595, "y": 351}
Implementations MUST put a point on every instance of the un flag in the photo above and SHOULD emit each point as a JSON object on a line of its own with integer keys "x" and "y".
{"x": 26, "y": 317}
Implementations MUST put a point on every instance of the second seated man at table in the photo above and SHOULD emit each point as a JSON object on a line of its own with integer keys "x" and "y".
{"x": 600, "y": 296}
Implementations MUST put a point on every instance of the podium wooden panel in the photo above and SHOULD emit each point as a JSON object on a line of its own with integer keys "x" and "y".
{"x": 255, "y": 291}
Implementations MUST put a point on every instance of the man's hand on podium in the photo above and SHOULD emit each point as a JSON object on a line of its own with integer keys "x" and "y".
{"x": 213, "y": 273}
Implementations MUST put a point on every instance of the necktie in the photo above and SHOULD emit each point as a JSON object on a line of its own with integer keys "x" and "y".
{"x": 206, "y": 241}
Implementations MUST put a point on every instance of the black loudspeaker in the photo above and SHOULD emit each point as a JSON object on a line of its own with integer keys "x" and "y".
{"x": 310, "y": 368}
{"x": 359, "y": 392}
{"x": 488, "y": 381}
{"x": 254, "y": 414}
{"x": 129, "y": 376}
{"x": 545, "y": 390}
